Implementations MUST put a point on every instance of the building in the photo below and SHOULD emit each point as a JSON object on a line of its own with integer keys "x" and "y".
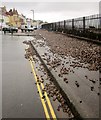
{"x": 22, "y": 19}
{"x": 29, "y": 22}
{"x": 38, "y": 23}
{"x": 11, "y": 17}
{"x": 14, "y": 18}
{"x": 4, "y": 19}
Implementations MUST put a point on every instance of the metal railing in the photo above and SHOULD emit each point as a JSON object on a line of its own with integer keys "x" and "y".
{"x": 89, "y": 26}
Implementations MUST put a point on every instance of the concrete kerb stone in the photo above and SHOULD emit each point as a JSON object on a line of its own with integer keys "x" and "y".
{"x": 20, "y": 34}
{"x": 77, "y": 115}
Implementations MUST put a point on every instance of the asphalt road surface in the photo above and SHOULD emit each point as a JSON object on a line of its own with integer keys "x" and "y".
{"x": 21, "y": 97}
{"x": 19, "y": 94}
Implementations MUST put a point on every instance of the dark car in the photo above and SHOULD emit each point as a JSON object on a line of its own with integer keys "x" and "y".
{"x": 14, "y": 29}
{"x": 9, "y": 29}
{"x": 6, "y": 29}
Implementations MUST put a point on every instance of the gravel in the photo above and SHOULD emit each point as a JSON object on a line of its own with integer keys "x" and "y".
{"x": 85, "y": 52}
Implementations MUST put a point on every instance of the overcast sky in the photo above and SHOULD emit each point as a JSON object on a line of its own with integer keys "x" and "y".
{"x": 54, "y": 11}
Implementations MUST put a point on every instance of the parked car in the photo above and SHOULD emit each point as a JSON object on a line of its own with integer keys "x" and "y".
{"x": 30, "y": 29}
{"x": 6, "y": 28}
{"x": 10, "y": 29}
{"x": 25, "y": 28}
{"x": 14, "y": 28}
{"x": 35, "y": 28}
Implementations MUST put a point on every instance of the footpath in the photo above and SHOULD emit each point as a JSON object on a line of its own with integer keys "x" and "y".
{"x": 74, "y": 65}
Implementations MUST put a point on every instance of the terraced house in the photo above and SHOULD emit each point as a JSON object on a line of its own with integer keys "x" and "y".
{"x": 4, "y": 19}
{"x": 11, "y": 17}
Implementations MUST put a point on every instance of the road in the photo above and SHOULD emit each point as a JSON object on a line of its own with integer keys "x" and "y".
{"x": 19, "y": 94}
{"x": 21, "y": 97}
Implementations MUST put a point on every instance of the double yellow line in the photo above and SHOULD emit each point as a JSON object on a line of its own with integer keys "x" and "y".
{"x": 45, "y": 93}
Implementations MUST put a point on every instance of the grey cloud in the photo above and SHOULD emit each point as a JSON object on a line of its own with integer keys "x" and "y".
{"x": 66, "y": 6}
{"x": 55, "y": 11}
{"x": 53, "y": 6}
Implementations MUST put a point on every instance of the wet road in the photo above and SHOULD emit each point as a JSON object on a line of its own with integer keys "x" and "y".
{"x": 19, "y": 94}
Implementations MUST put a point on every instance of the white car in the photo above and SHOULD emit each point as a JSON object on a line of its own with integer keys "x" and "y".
{"x": 30, "y": 29}
{"x": 35, "y": 28}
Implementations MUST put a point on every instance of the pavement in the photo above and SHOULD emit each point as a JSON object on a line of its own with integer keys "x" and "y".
{"x": 80, "y": 90}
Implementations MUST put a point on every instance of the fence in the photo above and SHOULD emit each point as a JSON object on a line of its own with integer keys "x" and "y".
{"x": 89, "y": 26}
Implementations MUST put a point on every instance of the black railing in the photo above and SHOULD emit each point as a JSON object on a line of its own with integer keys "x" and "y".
{"x": 89, "y": 26}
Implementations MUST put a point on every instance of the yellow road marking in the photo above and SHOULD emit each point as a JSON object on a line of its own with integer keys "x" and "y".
{"x": 48, "y": 101}
{"x": 50, "y": 105}
{"x": 42, "y": 100}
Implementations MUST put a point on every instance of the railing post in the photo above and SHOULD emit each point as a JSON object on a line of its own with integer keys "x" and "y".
{"x": 100, "y": 20}
{"x": 84, "y": 24}
{"x": 59, "y": 24}
{"x": 55, "y": 26}
{"x": 52, "y": 26}
{"x": 72, "y": 24}
{"x": 64, "y": 24}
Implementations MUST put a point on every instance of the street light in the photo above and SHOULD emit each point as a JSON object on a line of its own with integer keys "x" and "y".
{"x": 33, "y": 14}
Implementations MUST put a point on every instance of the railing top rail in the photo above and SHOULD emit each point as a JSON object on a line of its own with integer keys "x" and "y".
{"x": 95, "y": 16}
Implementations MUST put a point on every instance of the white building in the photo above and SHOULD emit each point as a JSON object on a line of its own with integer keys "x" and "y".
{"x": 3, "y": 18}
{"x": 29, "y": 22}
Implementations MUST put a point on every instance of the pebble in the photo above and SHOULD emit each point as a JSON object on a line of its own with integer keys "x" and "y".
{"x": 80, "y": 101}
{"x": 80, "y": 50}
{"x": 43, "y": 97}
{"x": 98, "y": 93}
{"x": 92, "y": 88}
{"x": 92, "y": 81}
{"x": 77, "y": 84}
{"x": 65, "y": 79}
{"x": 59, "y": 75}
{"x": 86, "y": 76}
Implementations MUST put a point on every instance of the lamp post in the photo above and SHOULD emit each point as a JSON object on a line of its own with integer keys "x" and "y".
{"x": 33, "y": 14}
